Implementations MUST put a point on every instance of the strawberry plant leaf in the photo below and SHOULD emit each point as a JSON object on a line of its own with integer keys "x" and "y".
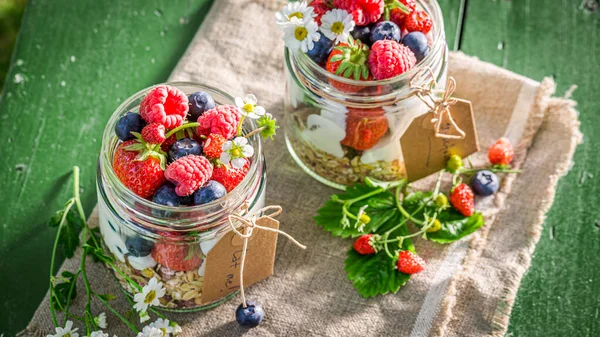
{"x": 69, "y": 229}
{"x": 61, "y": 291}
{"x": 455, "y": 226}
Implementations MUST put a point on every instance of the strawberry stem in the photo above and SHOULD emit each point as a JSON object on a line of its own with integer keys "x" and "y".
{"x": 181, "y": 127}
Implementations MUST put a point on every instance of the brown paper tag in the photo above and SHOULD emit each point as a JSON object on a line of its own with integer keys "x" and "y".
{"x": 223, "y": 261}
{"x": 424, "y": 153}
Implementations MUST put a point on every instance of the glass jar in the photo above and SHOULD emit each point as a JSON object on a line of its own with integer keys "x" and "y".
{"x": 132, "y": 227}
{"x": 340, "y": 130}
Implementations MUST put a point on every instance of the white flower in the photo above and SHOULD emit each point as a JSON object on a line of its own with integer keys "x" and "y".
{"x": 337, "y": 24}
{"x": 149, "y": 331}
{"x": 248, "y": 106}
{"x": 144, "y": 316}
{"x": 362, "y": 219}
{"x": 163, "y": 325}
{"x": 301, "y": 35}
{"x": 98, "y": 333}
{"x": 100, "y": 321}
{"x": 149, "y": 295}
{"x": 67, "y": 331}
{"x": 236, "y": 151}
{"x": 176, "y": 329}
{"x": 295, "y": 11}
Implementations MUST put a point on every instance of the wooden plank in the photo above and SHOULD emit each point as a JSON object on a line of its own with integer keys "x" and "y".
{"x": 452, "y": 11}
{"x": 559, "y": 294}
{"x": 74, "y": 63}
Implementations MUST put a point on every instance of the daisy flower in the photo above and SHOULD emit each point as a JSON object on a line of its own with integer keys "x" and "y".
{"x": 295, "y": 11}
{"x": 163, "y": 325}
{"x": 301, "y": 35}
{"x": 149, "y": 295}
{"x": 149, "y": 331}
{"x": 100, "y": 321}
{"x": 98, "y": 333}
{"x": 236, "y": 151}
{"x": 336, "y": 25}
{"x": 67, "y": 331}
{"x": 248, "y": 107}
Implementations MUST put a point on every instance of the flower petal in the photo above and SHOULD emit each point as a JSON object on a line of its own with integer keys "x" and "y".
{"x": 259, "y": 110}
{"x": 250, "y": 98}
{"x": 240, "y": 141}
{"x": 247, "y": 151}
{"x": 238, "y": 163}
{"x": 227, "y": 145}
{"x": 225, "y": 157}
{"x": 239, "y": 102}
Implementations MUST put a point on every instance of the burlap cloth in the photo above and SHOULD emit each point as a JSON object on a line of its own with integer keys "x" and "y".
{"x": 468, "y": 287}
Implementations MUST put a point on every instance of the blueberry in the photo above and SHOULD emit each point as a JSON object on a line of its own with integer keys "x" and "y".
{"x": 363, "y": 34}
{"x": 184, "y": 147}
{"x": 199, "y": 103}
{"x": 187, "y": 200}
{"x": 212, "y": 191}
{"x": 250, "y": 316}
{"x": 485, "y": 183}
{"x": 166, "y": 196}
{"x": 130, "y": 122}
{"x": 138, "y": 246}
{"x": 418, "y": 43}
{"x": 321, "y": 50}
{"x": 385, "y": 30}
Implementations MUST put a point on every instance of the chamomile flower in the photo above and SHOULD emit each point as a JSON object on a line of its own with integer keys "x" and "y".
{"x": 248, "y": 107}
{"x": 100, "y": 321}
{"x": 176, "y": 328}
{"x": 236, "y": 151}
{"x": 149, "y": 331}
{"x": 163, "y": 325}
{"x": 301, "y": 35}
{"x": 99, "y": 333}
{"x": 362, "y": 219}
{"x": 150, "y": 295}
{"x": 67, "y": 331}
{"x": 336, "y": 25}
{"x": 295, "y": 11}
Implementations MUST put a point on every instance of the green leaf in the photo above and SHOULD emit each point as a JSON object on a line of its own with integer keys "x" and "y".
{"x": 455, "y": 226}
{"x": 69, "y": 231}
{"x": 108, "y": 297}
{"x": 336, "y": 57}
{"x": 381, "y": 209}
{"x": 61, "y": 291}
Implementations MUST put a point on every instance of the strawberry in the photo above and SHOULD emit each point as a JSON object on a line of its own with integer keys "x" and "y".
{"x": 139, "y": 168}
{"x": 364, "y": 12}
{"x": 320, "y": 7}
{"x": 418, "y": 21}
{"x": 154, "y": 133}
{"x": 399, "y": 9}
{"x": 349, "y": 60}
{"x": 410, "y": 263}
{"x": 364, "y": 131}
{"x": 230, "y": 177}
{"x": 501, "y": 152}
{"x": 213, "y": 146}
{"x": 364, "y": 245}
{"x": 178, "y": 256}
{"x": 462, "y": 198}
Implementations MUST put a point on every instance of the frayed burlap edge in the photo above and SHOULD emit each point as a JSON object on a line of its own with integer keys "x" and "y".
{"x": 544, "y": 105}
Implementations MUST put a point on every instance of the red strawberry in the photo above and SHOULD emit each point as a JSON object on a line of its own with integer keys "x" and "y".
{"x": 418, "y": 21}
{"x": 389, "y": 58}
{"x": 364, "y": 131}
{"x": 213, "y": 146}
{"x": 230, "y": 177}
{"x": 320, "y": 7}
{"x": 153, "y": 133}
{"x": 462, "y": 198}
{"x": 501, "y": 152}
{"x": 410, "y": 263}
{"x": 139, "y": 169}
{"x": 178, "y": 256}
{"x": 364, "y": 245}
{"x": 349, "y": 60}
{"x": 397, "y": 13}
{"x": 363, "y": 11}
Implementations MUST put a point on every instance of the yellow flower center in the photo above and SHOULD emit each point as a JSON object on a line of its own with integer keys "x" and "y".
{"x": 164, "y": 331}
{"x": 364, "y": 219}
{"x": 296, "y": 15}
{"x": 236, "y": 153}
{"x": 150, "y": 296}
{"x": 337, "y": 28}
{"x": 248, "y": 107}
{"x": 67, "y": 335}
{"x": 300, "y": 33}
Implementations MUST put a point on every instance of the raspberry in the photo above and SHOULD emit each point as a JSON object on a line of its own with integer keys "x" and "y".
{"x": 410, "y": 263}
{"x": 230, "y": 177}
{"x": 165, "y": 105}
{"x": 153, "y": 133}
{"x": 213, "y": 146}
{"x": 462, "y": 198}
{"x": 223, "y": 120}
{"x": 178, "y": 256}
{"x": 319, "y": 7}
{"x": 189, "y": 173}
{"x": 389, "y": 58}
{"x": 501, "y": 152}
{"x": 363, "y": 11}
{"x": 418, "y": 21}
{"x": 364, "y": 245}
{"x": 145, "y": 177}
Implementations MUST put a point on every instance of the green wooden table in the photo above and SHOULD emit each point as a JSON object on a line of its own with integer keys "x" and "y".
{"x": 75, "y": 61}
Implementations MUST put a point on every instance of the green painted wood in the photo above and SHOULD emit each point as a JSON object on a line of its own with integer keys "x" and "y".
{"x": 73, "y": 64}
{"x": 559, "y": 295}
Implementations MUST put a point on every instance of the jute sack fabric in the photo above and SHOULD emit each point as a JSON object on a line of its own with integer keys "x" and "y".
{"x": 467, "y": 288}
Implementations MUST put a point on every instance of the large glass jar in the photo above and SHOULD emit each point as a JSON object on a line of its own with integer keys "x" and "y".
{"x": 132, "y": 227}
{"x": 340, "y": 130}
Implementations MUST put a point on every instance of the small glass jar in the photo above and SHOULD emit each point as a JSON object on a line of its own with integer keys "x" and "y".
{"x": 340, "y": 130}
{"x": 132, "y": 227}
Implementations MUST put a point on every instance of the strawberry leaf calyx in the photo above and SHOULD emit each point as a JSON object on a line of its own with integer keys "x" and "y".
{"x": 353, "y": 60}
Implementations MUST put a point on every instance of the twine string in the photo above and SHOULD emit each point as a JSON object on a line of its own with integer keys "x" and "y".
{"x": 248, "y": 225}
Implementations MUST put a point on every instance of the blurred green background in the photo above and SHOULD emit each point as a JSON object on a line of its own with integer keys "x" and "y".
{"x": 11, "y": 12}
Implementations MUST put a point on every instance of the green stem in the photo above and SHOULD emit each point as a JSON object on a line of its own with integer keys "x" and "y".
{"x": 88, "y": 289}
{"x": 181, "y": 127}
{"x": 123, "y": 319}
{"x": 157, "y": 313}
{"x": 127, "y": 278}
{"x": 404, "y": 212}
{"x": 71, "y": 289}
{"x": 255, "y": 131}
{"x": 78, "y": 203}
{"x": 349, "y": 202}
{"x": 79, "y": 318}
{"x": 438, "y": 184}
{"x": 239, "y": 130}
{"x": 493, "y": 169}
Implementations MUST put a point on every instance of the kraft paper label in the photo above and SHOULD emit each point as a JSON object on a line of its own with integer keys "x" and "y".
{"x": 425, "y": 154}
{"x": 223, "y": 262}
